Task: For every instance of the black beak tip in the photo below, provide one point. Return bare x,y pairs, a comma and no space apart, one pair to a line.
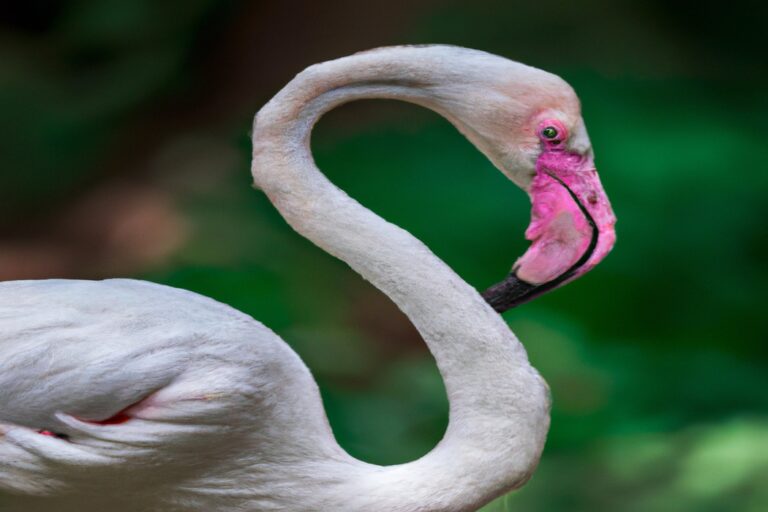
510,292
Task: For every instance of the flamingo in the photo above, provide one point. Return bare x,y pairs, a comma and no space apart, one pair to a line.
124,395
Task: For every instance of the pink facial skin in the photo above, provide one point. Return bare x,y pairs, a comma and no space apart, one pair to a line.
560,232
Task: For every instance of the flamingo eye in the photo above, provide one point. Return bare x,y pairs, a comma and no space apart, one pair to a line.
552,133
549,132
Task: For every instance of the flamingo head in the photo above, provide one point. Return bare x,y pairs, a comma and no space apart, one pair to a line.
572,223
528,122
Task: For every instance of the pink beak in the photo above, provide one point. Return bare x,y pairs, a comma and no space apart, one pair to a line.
571,229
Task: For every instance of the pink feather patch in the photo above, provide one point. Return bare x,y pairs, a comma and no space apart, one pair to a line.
122,416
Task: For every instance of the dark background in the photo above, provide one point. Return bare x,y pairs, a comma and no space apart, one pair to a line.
124,151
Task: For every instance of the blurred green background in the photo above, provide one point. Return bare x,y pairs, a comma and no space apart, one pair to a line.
124,151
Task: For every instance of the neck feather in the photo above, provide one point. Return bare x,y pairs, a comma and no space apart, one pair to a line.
499,407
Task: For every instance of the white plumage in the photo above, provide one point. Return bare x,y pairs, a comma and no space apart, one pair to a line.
224,416
80,350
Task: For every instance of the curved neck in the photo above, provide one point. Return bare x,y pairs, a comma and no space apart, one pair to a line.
498,403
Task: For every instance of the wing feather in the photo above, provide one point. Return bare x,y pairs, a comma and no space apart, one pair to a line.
73,353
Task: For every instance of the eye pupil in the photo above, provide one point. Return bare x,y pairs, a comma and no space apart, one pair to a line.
550,132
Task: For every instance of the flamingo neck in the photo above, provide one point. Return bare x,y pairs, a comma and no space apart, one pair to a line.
499,408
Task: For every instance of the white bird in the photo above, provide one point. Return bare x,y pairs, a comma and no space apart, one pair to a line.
124,395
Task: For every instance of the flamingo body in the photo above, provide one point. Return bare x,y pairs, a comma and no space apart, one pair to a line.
124,395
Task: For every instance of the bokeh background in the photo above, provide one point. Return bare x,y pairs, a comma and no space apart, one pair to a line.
124,151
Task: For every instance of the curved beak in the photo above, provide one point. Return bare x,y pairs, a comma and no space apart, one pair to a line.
571,230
